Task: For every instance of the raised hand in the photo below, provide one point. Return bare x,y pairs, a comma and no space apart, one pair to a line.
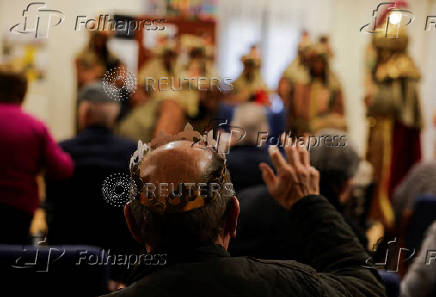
295,178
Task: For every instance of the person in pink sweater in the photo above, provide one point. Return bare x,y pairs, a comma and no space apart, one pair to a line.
26,150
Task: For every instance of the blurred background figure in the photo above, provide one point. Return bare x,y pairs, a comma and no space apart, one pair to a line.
27,149
419,181
95,59
250,86
311,91
247,153
77,212
337,163
166,112
293,81
295,76
163,64
420,278
393,111
199,80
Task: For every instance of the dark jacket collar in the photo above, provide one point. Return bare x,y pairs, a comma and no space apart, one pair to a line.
178,256
95,129
196,254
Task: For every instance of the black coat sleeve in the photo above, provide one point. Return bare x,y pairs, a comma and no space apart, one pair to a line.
326,243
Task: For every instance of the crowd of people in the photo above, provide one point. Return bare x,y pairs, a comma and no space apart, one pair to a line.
308,214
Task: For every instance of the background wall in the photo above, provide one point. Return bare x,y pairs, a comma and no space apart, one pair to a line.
274,24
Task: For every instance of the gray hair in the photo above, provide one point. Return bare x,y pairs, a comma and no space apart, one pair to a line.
336,165
98,113
342,159
96,107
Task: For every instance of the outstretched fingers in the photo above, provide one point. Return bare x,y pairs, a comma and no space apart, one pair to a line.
304,156
277,159
267,175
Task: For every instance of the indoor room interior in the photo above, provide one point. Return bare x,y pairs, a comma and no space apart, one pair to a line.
302,104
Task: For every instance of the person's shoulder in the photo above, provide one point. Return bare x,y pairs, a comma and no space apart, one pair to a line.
69,143
239,273
290,266
30,118
127,144
37,125
286,275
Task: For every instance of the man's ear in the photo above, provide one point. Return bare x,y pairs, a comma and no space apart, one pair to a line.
232,217
83,114
131,223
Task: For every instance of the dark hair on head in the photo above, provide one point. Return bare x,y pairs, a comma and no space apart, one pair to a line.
187,230
13,86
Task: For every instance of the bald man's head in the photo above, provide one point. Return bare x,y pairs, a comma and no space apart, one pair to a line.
177,161
180,162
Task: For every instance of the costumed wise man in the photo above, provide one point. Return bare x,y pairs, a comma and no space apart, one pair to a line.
393,108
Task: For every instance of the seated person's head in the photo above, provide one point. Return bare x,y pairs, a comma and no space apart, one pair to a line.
96,108
13,86
337,164
162,221
251,117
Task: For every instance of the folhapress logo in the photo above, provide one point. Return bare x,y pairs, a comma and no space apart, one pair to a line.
37,20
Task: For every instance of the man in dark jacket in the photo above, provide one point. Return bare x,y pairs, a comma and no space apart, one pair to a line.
245,156
194,230
77,212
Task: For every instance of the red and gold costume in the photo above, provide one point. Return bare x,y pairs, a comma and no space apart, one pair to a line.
393,112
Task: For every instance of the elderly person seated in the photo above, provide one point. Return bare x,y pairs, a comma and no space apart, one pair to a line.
194,226
248,152
77,212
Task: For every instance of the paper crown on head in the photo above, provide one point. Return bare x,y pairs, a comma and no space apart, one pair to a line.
186,199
